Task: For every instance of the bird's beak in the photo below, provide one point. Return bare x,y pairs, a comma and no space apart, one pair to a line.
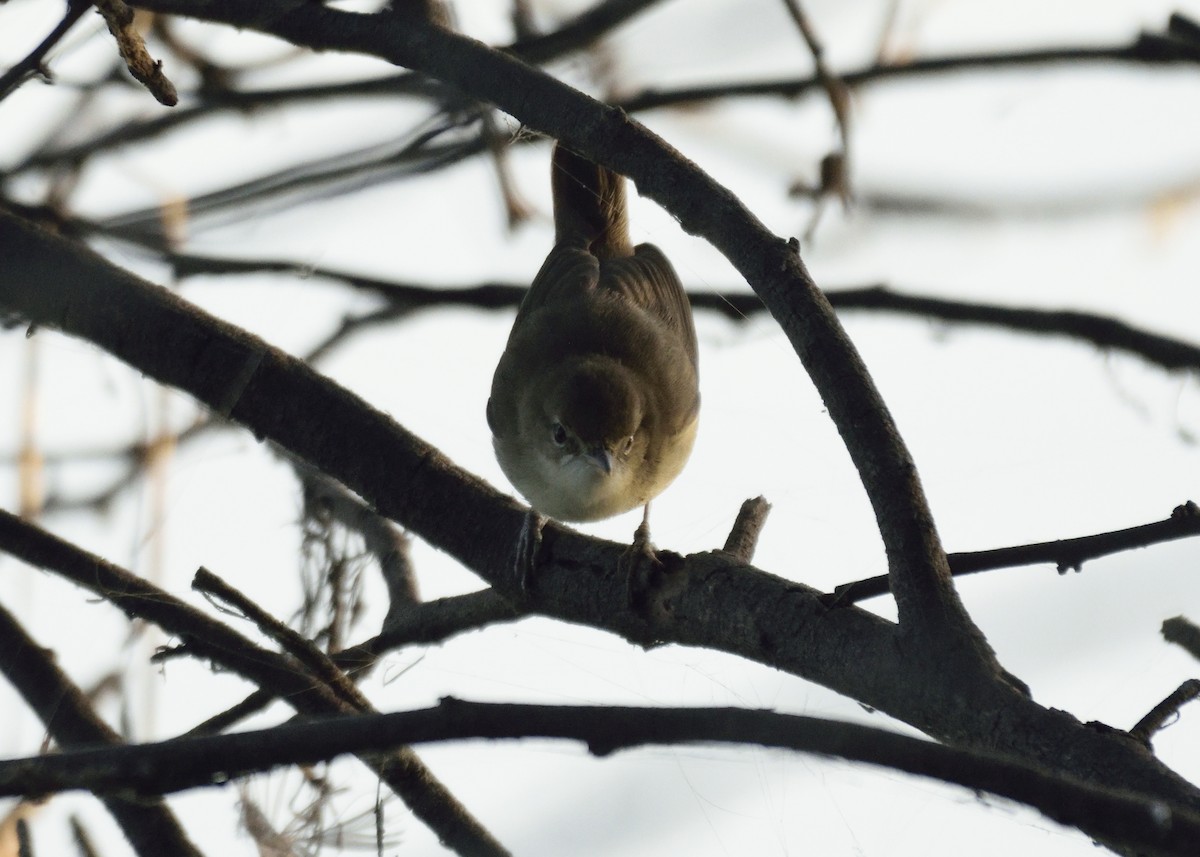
601,457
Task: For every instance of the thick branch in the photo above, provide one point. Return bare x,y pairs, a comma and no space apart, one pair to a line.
1150,827
929,608
706,599
205,637
150,826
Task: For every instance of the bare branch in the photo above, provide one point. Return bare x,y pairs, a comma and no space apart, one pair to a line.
406,297
400,769
1158,716
1065,554
142,66
150,826
743,538
430,622
1150,827
1145,49
316,661
925,597
33,63
1182,633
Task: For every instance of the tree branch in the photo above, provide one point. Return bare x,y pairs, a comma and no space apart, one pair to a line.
929,608
32,64
1184,634
404,773
704,599
1066,554
573,35
150,826
406,297
1149,827
1145,49
1158,716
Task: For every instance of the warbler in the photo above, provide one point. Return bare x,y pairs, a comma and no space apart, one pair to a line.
595,401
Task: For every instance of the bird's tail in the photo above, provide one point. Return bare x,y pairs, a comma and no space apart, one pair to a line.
589,204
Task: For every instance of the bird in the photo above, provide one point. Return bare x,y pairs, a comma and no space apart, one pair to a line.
595,401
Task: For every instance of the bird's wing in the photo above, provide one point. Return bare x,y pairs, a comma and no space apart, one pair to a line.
569,272
649,281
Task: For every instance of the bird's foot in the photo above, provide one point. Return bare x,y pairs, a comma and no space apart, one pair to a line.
529,545
637,563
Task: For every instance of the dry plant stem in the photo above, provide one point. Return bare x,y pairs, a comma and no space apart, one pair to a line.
119,18
32,64
387,543
400,769
747,526
1158,716
1065,554
316,661
1102,331
1152,828
149,825
522,19
24,840
1182,633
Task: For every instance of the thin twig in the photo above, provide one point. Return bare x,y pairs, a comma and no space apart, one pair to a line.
1184,634
302,650
835,167
1065,554
83,839
1146,48
145,69
24,840
406,297
743,537
387,542
417,624
1158,716
33,63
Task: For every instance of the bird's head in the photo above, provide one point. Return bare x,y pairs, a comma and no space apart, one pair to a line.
588,426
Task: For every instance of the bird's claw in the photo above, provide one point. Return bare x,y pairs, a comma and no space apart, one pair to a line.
638,556
529,545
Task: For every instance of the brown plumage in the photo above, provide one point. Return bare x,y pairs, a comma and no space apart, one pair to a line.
595,400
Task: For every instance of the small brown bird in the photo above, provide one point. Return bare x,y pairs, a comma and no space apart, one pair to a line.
595,400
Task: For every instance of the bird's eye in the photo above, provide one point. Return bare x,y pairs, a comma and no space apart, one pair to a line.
558,434
627,447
